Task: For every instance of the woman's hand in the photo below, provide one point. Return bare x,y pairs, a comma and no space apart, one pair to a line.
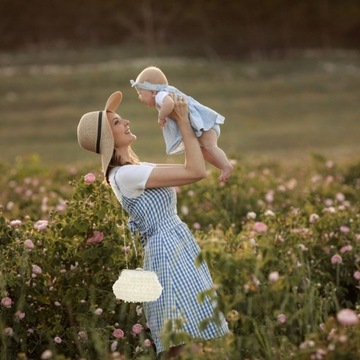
181,110
193,168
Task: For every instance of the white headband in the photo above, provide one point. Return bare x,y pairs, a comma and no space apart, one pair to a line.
147,86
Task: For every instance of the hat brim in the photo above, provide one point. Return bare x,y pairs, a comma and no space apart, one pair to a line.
107,140
113,101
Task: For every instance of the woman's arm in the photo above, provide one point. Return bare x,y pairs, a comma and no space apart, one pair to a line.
168,165
193,168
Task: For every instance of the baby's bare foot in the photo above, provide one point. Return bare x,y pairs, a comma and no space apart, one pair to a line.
225,173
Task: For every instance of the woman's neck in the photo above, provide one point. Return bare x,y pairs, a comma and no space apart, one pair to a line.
123,156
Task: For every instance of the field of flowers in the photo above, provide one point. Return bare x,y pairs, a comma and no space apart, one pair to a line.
282,244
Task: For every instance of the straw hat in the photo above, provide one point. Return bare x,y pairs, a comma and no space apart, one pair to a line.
94,132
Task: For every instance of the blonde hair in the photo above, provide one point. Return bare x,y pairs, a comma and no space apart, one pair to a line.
152,75
116,161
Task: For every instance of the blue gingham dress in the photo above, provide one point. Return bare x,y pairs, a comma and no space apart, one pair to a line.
170,251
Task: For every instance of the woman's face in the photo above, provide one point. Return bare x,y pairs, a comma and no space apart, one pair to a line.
147,97
121,130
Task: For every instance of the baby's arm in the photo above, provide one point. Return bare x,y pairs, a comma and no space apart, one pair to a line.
166,108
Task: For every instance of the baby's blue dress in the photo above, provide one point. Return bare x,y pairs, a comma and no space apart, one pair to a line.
170,250
202,118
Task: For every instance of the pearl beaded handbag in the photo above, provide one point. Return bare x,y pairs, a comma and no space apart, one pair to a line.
136,285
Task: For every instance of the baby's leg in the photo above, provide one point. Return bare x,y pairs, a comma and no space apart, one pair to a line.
214,155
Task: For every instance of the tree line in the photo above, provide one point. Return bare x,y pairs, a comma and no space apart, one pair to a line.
210,27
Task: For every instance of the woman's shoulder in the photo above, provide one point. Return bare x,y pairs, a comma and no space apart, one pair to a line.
130,179
130,170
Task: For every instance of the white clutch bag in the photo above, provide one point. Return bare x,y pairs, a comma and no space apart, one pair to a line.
137,286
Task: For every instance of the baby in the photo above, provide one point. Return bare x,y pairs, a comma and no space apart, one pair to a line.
153,90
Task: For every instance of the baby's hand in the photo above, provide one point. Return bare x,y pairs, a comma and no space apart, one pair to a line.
162,121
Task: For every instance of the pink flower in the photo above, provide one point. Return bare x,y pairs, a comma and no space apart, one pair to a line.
336,259
82,335
302,247
185,210
252,242
281,318
274,276
20,315
118,334
260,227
269,197
57,339
9,331
47,354
251,215
89,178
196,226
269,213
113,346
97,237
29,244
255,280
320,353
137,329
15,223
6,302
147,343
346,248
314,218
357,275
36,270
98,311
347,317
10,205
41,225
344,229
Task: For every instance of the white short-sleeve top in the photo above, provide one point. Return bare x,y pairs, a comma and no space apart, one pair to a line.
130,180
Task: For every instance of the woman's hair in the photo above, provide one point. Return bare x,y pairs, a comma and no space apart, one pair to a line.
116,161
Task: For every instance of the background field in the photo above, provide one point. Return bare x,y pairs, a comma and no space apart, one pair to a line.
282,241
282,109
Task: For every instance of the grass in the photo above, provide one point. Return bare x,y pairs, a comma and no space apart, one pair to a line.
280,109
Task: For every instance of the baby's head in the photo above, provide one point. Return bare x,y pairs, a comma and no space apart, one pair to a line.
152,75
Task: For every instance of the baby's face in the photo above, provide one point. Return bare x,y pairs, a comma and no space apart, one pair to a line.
147,97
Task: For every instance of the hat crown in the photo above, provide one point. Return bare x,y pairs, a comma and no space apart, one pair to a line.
94,132
87,131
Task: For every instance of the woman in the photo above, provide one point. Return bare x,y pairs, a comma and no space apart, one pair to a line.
146,192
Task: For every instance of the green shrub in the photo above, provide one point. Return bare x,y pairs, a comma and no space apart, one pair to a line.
61,285
282,246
